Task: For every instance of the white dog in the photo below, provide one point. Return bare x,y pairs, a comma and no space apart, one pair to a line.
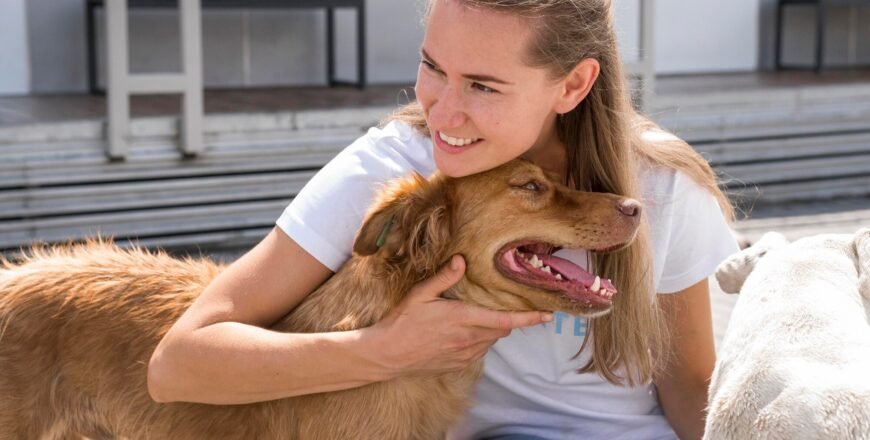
795,361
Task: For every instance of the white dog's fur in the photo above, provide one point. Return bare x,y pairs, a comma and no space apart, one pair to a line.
795,361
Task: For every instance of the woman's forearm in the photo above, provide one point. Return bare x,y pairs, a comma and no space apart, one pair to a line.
684,405
232,363
683,382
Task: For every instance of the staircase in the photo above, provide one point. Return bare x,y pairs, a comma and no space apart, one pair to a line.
773,149
779,146
57,184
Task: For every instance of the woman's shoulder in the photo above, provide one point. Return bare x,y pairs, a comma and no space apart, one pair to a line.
396,132
396,145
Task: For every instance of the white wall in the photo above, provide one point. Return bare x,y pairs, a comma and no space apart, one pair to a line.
286,47
15,74
695,36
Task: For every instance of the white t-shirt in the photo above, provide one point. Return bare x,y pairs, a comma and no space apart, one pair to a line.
530,385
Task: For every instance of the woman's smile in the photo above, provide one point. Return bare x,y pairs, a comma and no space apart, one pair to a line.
454,145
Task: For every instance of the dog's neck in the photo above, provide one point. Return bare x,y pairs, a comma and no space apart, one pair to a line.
360,294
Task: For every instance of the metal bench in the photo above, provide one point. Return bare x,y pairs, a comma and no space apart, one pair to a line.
821,7
328,5
121,84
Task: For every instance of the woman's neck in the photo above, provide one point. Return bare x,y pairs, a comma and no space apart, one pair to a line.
551,156
549,152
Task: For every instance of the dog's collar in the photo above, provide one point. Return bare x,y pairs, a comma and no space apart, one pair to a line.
383,237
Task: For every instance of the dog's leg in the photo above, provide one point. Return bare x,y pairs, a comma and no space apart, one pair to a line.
862,252
732,272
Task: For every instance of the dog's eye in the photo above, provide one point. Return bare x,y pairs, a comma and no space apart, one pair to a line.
532,186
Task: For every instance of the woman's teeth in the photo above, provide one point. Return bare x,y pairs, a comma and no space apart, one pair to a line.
456,142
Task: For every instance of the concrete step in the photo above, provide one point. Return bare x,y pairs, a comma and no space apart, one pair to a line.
31,203
796,220
215,125
155,225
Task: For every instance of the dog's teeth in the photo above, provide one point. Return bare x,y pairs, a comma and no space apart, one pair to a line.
604,293
546,269
536,262
559,276
596,285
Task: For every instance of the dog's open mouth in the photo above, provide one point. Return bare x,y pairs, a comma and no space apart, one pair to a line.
533,264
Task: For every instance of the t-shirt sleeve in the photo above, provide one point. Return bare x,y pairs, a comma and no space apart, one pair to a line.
699,237
326,215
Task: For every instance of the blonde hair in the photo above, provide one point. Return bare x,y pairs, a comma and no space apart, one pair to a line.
607,142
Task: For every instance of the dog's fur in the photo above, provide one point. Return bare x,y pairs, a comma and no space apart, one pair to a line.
80,322
795,361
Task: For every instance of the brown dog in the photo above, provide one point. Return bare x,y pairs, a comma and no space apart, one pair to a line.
79,323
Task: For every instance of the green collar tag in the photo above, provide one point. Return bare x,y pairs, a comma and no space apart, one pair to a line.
383,237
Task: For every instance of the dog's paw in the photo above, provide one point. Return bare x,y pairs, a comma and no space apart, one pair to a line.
732,272
862,252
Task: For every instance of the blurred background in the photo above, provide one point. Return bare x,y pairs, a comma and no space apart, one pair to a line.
190,125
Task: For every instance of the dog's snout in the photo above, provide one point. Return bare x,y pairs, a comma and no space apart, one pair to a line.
629,207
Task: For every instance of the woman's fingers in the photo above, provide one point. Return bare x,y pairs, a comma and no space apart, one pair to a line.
480,317
427,333
444,279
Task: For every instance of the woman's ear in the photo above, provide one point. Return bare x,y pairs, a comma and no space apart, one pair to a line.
577,84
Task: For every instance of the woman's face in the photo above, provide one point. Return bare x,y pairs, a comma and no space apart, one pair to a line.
483,104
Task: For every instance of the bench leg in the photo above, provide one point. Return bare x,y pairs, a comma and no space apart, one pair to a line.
330,46
820,36
777,48
361,45
91,36
117,84
191,138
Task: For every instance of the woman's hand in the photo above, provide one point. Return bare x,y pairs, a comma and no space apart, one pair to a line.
428,334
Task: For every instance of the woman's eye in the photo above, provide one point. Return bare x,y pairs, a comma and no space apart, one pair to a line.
478,86
484,88
429,65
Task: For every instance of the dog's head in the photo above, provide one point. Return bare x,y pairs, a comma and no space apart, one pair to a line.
506,222
806,258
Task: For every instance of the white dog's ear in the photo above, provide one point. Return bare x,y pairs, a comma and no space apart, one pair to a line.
862,250
732,272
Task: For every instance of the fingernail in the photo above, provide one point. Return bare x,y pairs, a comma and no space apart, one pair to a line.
548,317
454,262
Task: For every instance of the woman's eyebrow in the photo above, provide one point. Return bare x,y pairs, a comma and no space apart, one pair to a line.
471,76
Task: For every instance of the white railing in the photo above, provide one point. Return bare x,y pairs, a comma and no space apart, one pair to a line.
122,84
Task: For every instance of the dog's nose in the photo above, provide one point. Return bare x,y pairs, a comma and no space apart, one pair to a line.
629,207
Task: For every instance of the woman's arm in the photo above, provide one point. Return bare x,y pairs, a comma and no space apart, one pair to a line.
218,351
683,382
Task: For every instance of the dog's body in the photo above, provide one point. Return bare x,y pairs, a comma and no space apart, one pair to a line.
795,362
78,324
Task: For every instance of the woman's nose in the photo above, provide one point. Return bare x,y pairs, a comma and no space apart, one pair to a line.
447,110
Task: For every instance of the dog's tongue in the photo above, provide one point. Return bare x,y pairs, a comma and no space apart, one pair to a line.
573,272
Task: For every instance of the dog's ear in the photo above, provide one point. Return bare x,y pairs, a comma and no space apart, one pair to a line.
409,223
732,272
862,251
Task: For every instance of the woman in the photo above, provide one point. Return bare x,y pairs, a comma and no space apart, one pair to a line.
498,79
